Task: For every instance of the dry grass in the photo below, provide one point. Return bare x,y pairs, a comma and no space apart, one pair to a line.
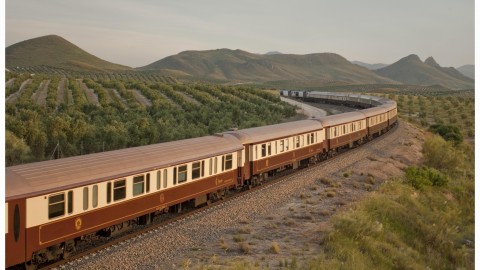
244,230
275,248
245,247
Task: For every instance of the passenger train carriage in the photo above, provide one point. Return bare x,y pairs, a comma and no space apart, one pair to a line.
51,205
276,147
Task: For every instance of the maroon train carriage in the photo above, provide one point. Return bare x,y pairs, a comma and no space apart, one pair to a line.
391,106
344,130
52,204
269,149
377,121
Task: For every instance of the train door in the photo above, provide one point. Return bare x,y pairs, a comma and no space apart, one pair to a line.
15,240
247,171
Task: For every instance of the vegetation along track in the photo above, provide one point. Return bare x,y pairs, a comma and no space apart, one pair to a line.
162,244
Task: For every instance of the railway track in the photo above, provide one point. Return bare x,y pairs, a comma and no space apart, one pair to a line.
140,233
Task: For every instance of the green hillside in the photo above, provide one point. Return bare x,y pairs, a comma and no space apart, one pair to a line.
411,70
55,51
238,65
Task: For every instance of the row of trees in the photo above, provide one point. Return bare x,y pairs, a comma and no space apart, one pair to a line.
79,127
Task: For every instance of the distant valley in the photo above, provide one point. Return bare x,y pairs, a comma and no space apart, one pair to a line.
236,66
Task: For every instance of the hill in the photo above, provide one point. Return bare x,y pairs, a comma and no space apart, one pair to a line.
468,71
411,70
238,65
369,66
55,51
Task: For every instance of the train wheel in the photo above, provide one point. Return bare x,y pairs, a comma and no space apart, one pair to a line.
68,248
30,265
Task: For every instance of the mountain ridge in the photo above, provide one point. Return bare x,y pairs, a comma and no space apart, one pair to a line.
53,50
226,64
369,66
238,66
467,70
411,70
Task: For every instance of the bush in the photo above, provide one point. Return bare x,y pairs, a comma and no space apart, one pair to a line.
448,132
425,176
441,155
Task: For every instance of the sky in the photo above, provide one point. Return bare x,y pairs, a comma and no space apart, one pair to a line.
137,33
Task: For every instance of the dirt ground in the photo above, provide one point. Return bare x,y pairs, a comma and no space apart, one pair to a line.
295,230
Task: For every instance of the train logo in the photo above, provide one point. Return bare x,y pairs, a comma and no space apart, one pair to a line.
78,223
162,198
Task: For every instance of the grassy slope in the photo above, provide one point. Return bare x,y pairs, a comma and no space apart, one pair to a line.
57,52
400,227
225,64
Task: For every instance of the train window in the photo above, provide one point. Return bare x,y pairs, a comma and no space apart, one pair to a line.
85,198
264,150
109,192
138,185
228,162
210,167
297,141
312,138
147,188
282,148
196,170
223,163
119,190
286,145
56,205
182,174
344,129
159,178
70,202
165,177
215,166
95,196
269,149
203,168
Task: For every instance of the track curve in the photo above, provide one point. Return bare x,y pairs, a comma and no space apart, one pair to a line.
160,247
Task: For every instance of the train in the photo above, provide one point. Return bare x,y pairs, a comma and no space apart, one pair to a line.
51,206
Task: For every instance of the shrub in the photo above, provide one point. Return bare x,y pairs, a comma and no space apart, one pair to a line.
331,194
238,238
448,132
244,230
245,247
275,248
325,181
441,155
425,176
